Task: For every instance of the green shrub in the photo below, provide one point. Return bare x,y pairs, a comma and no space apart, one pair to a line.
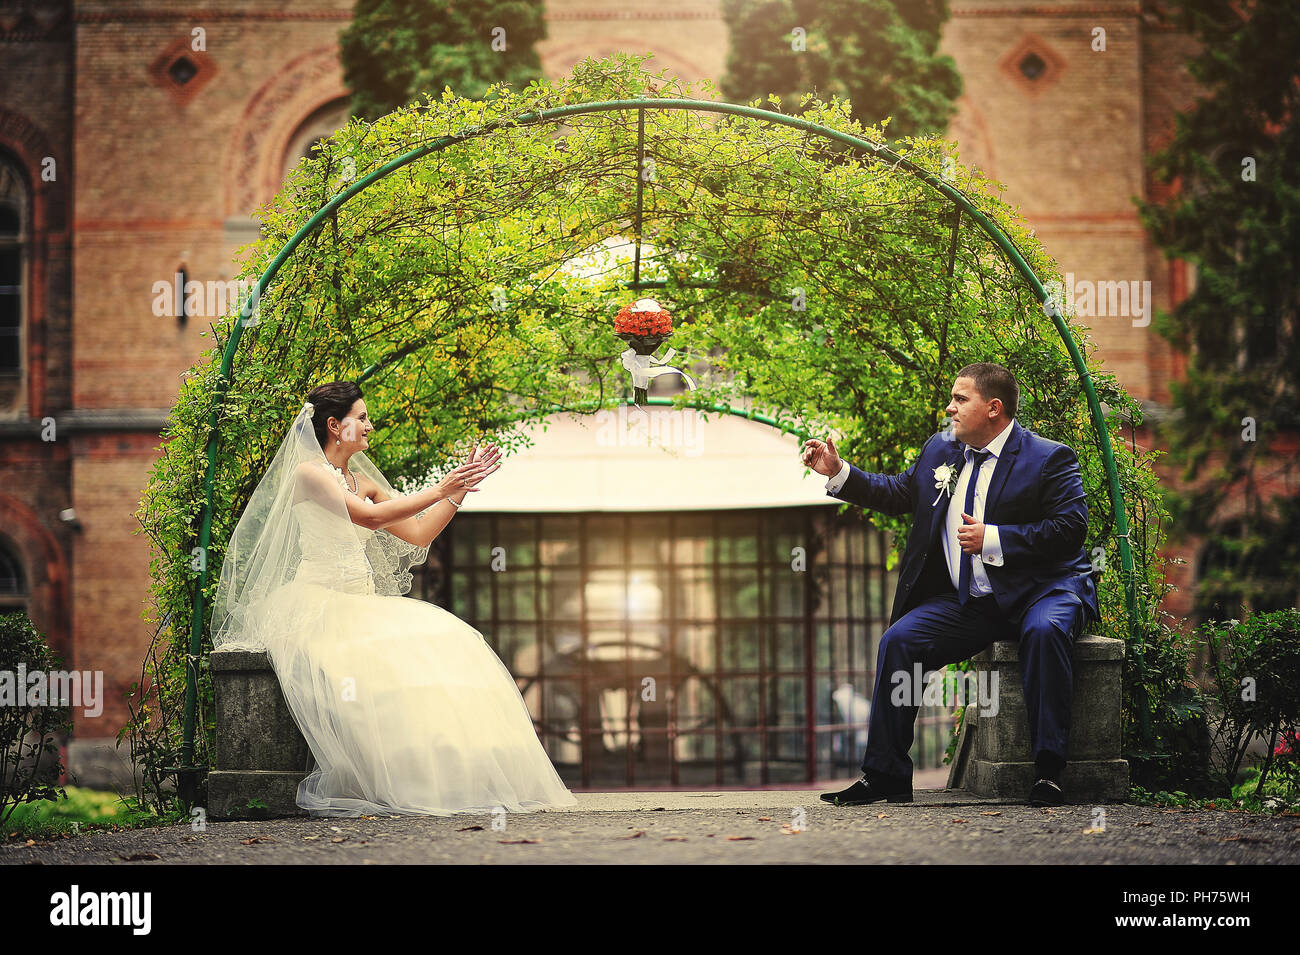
29,753
1255,665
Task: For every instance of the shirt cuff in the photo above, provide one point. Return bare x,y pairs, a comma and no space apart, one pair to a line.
833,484
992,550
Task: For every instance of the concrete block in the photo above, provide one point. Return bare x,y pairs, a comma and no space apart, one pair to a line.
260,752
993,753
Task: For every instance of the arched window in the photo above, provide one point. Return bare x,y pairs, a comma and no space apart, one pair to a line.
14,221
13,582
317,127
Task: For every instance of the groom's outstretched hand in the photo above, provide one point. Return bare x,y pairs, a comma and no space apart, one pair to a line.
822,457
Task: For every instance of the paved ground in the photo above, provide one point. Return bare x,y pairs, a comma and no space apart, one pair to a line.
754,827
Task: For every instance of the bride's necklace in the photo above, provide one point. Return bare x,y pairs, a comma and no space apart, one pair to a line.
354,486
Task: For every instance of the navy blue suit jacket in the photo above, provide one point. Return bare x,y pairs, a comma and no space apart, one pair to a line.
1035,498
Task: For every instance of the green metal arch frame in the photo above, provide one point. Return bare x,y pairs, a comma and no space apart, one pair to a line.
1050,308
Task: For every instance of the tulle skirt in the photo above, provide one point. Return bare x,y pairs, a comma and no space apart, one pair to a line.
405,707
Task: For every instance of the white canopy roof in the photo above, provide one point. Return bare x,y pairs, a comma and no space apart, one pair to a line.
657,460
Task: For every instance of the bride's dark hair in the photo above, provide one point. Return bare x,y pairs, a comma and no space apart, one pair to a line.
334,400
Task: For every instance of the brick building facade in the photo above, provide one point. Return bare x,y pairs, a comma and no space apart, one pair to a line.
127,156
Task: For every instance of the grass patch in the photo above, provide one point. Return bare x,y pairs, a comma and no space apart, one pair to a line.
84,810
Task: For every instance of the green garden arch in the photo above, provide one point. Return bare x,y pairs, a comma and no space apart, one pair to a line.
857,146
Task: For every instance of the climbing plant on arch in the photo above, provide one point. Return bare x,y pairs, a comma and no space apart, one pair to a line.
819,280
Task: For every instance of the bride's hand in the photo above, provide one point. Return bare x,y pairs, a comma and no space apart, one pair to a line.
489,457
462,478
481,463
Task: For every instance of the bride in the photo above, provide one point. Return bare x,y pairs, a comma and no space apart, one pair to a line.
405,707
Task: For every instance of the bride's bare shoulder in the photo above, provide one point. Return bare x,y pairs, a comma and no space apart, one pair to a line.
371,489
312,472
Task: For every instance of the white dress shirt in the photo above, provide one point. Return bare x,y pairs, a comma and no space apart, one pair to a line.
991,553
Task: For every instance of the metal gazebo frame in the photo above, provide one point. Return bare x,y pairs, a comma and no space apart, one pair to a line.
187,771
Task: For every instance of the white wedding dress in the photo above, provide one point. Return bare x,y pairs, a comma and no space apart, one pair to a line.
405,707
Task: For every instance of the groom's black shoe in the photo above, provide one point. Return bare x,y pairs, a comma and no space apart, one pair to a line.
1046,792
865,791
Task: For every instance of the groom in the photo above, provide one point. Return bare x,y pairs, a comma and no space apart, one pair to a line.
995,551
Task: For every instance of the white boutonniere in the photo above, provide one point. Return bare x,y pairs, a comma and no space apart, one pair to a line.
945,479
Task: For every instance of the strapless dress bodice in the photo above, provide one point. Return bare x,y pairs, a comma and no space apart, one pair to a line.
333,551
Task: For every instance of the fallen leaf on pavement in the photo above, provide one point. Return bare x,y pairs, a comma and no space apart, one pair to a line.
519,842
140,856
253,840
740,838
471,829
991,812
635,835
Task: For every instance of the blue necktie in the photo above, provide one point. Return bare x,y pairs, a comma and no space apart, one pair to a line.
964,575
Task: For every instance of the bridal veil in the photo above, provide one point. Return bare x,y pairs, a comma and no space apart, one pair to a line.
266,548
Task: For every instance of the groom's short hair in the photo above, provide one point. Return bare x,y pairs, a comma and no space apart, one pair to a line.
994,381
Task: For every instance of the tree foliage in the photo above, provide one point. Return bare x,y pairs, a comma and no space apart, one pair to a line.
881,55
807,284
395,50
1234,215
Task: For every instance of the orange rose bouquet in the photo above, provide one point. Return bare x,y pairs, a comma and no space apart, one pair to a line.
645,326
